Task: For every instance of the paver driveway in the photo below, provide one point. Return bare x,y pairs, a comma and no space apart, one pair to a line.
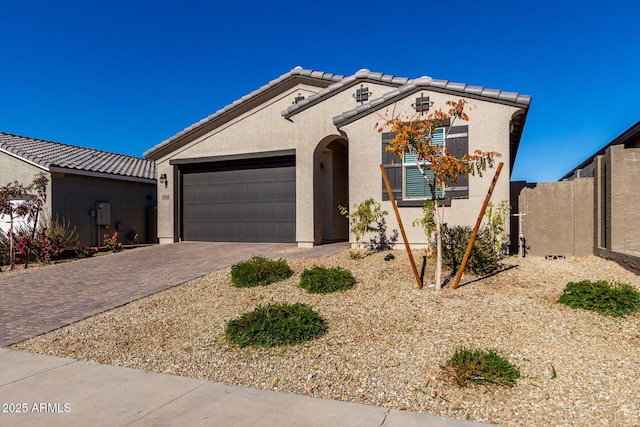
44,299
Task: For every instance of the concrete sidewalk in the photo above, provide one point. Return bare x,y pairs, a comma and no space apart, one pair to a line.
54,391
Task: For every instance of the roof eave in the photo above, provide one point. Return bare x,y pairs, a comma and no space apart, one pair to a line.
105,175
240,106
426,83
360,77
44,167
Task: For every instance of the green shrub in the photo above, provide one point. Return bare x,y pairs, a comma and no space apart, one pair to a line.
321,280
259,271
364,218
606,298
276,324
483,258
481,367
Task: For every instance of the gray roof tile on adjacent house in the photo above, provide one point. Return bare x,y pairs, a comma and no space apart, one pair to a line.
297,71
54,156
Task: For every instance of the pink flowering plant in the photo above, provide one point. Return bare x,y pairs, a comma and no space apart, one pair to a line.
111,242
43,248
85,251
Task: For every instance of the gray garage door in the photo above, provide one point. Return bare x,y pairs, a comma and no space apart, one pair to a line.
240,201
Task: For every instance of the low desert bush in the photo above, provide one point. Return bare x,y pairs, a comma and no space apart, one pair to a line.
259,271
481,367
321,280
606,298
483,258
276,324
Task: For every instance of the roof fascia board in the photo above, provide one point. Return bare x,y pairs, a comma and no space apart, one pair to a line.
230,112
44,168
514,143
231,157
57,169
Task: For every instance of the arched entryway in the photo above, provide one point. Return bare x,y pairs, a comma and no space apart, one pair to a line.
330,189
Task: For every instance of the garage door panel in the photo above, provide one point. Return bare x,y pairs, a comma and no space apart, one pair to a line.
240,212
252,202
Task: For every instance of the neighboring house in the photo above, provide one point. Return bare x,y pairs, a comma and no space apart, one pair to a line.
594,209
274,165
97,192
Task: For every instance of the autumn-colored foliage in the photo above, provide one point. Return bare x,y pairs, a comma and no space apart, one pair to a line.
415,137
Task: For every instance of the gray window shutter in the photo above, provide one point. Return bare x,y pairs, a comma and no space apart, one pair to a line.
458,146
393,169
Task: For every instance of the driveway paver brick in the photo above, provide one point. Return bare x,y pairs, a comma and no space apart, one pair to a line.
44,299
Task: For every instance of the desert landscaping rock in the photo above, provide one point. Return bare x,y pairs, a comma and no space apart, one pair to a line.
386,341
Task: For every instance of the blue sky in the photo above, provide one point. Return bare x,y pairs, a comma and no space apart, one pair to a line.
123,76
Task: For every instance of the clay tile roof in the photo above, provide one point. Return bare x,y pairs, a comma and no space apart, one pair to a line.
360,76
50,155
328,78
461,89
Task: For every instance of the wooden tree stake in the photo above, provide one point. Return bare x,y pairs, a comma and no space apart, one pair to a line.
477,227
404,236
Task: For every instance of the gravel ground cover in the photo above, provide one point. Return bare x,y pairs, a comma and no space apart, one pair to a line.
387,340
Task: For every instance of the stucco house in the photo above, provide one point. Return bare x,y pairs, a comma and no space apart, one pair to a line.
274,165
97,192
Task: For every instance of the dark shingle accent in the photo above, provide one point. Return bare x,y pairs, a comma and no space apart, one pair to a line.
49,154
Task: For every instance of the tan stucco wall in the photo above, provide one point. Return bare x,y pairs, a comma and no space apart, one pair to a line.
313,127
488,131
264,129
559,217
75,197
12,169
260,129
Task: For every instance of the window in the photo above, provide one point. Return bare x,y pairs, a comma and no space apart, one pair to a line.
414,184
408,186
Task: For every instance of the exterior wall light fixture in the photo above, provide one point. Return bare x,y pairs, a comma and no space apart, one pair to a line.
164,180
298,98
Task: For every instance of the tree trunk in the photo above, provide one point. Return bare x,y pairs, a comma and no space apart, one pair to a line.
33,236
438,248
12,249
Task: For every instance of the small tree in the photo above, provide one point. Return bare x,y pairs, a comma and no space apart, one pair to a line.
18,200
415,138
362,220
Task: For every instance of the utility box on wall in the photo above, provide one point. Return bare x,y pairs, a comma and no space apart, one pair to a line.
103,213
